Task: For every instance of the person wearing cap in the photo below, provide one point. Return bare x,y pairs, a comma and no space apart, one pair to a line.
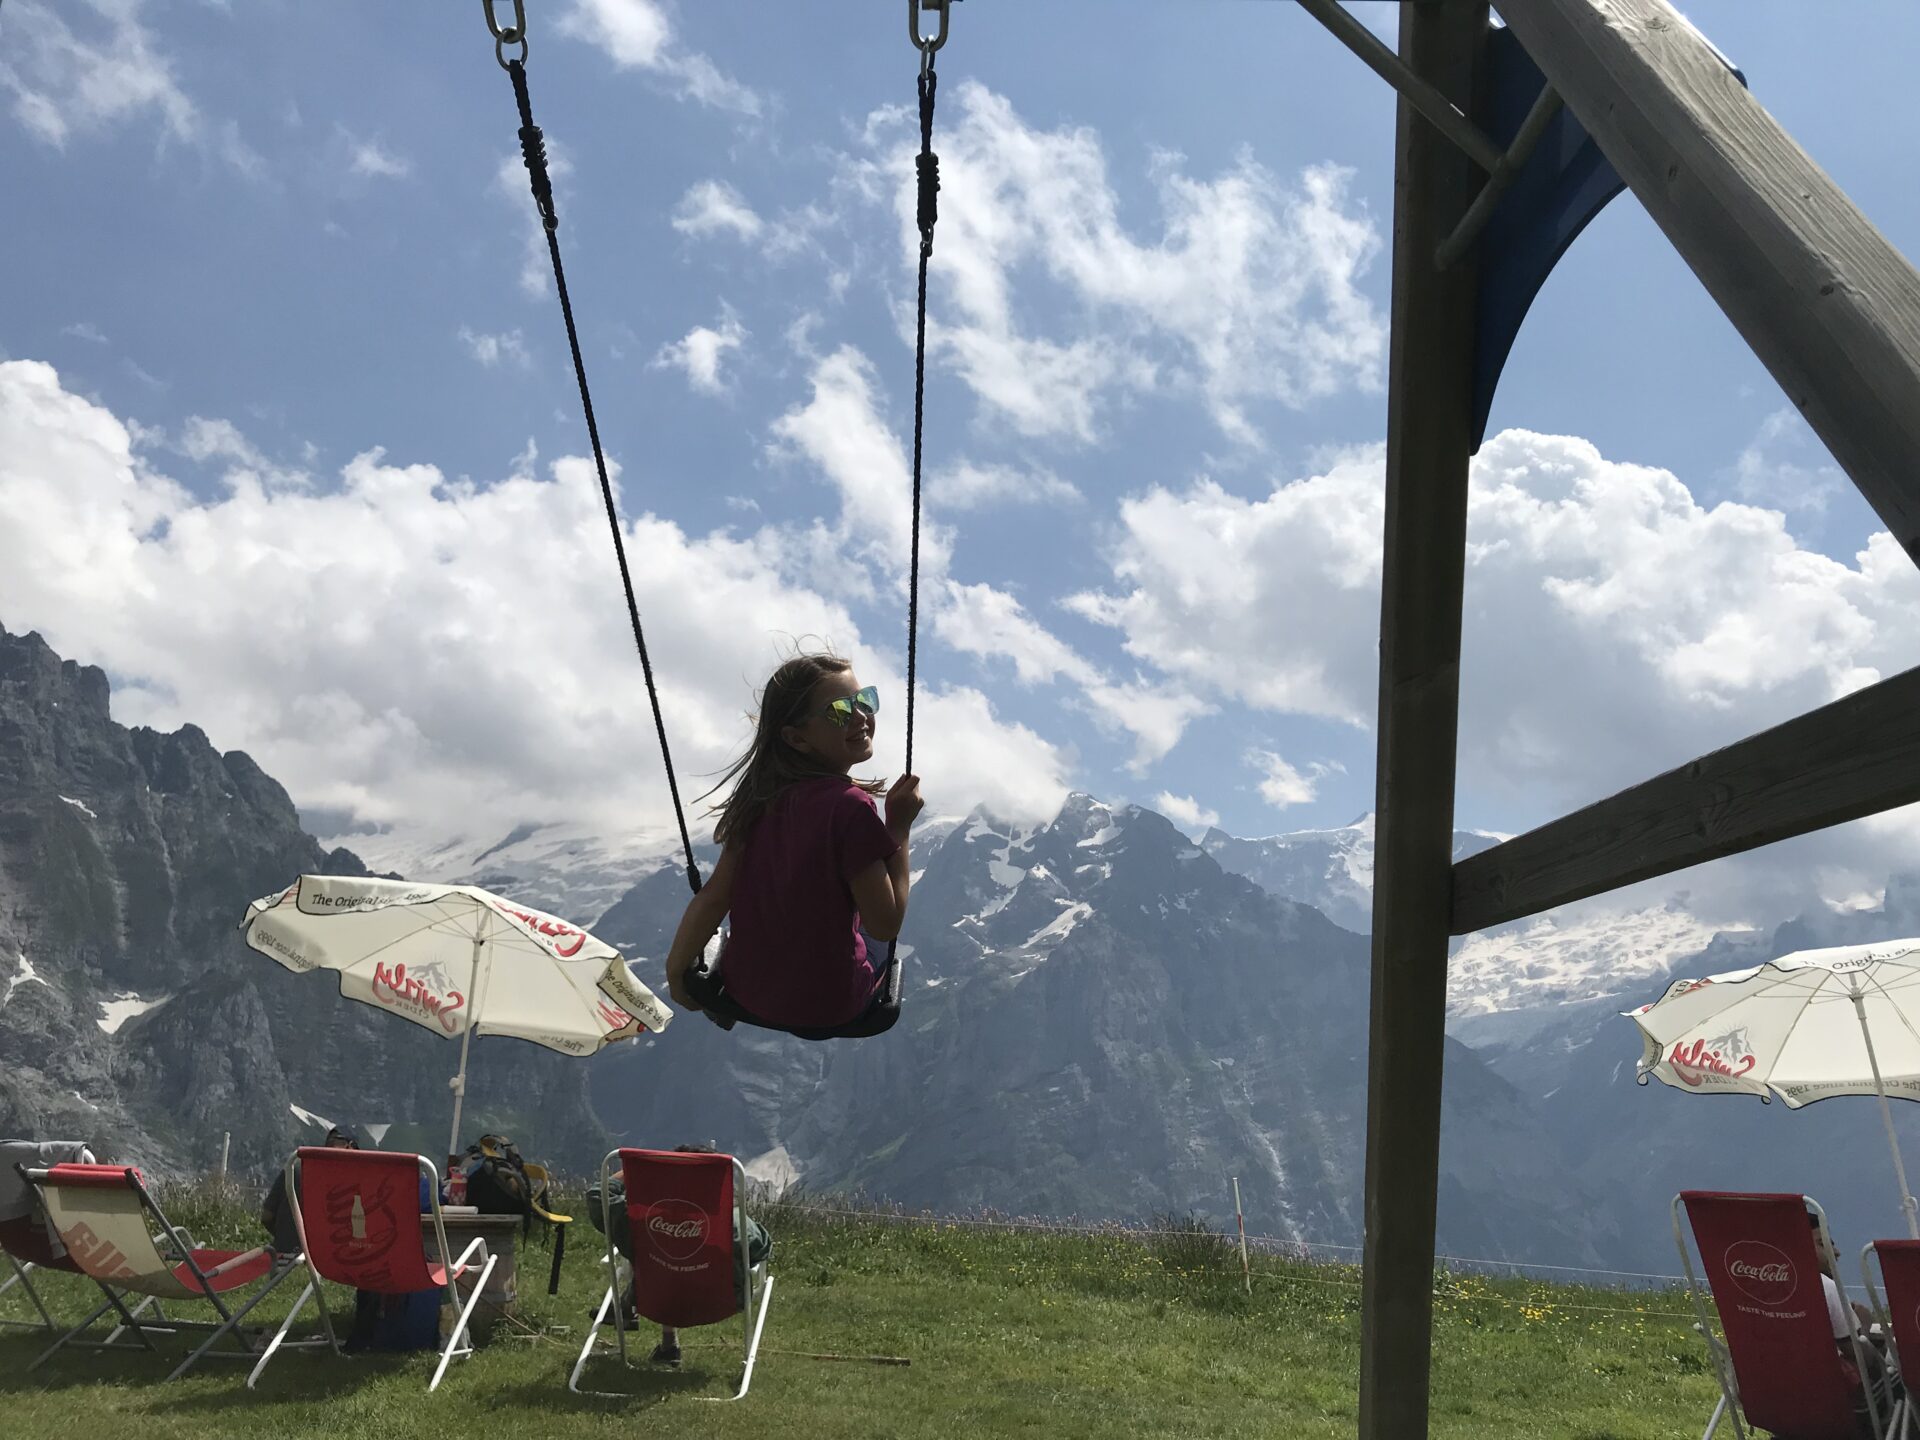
277,1216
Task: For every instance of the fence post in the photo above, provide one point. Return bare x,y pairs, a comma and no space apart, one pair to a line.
226,1148
1240,1219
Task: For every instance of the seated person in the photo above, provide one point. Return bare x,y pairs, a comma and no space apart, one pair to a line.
759,1247
1837,1306
276,1216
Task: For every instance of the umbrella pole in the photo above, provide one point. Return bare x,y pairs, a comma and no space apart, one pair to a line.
466,1038
1886,1115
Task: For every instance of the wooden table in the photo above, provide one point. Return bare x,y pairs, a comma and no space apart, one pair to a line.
502,1234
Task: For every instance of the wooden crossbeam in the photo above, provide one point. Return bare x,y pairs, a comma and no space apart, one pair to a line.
1826,303
1858,756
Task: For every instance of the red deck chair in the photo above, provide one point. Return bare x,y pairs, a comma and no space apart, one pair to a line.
107,1221
361,1225
685,1217
1900,1316
1778,1367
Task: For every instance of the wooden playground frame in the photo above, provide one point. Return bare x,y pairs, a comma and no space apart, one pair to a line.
1829,307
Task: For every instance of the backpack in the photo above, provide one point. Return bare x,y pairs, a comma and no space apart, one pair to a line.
497,1181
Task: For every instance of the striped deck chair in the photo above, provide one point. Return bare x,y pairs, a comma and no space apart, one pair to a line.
1899,1312
107,1220
686,1218
26,1239
363,1225
1778,1366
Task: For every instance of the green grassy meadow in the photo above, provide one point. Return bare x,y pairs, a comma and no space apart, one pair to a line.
1009,1332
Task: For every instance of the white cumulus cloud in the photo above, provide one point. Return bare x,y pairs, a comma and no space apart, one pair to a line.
1186,812
1615,626
713,207
413,649
699,354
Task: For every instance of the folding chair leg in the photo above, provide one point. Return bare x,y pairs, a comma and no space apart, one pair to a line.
460,1326
753,1346
129,1319
23,1277
759,1321
286,1325
586,1350
232,1326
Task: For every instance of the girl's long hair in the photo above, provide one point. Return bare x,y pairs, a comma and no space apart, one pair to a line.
771,764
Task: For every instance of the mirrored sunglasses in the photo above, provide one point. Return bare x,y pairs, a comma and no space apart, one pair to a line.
866,701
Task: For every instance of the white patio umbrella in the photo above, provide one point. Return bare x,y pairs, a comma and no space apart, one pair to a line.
1805,1027
456,960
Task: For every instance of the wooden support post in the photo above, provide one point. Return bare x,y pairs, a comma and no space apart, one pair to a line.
1429,439
1857,756
1826,303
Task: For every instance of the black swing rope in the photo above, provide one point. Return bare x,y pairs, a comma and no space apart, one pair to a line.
533,151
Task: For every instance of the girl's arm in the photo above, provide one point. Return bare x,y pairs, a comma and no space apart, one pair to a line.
880,892
704,914
881,889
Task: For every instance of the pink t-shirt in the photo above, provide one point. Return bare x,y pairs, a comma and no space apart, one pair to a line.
795,954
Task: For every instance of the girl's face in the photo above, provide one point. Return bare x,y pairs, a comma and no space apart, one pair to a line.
839,747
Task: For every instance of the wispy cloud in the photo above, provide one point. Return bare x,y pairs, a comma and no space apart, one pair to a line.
1247,293
85,330
975,487
637,35
83,71
371,158
509,348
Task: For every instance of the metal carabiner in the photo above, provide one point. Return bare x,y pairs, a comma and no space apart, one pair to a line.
513,32
925,46
503,36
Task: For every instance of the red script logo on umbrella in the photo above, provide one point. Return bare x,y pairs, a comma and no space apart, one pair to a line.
397,990
555,930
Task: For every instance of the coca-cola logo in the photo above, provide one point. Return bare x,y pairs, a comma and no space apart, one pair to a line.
677,1228
1761,1271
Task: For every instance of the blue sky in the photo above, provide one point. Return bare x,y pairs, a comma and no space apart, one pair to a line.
298,471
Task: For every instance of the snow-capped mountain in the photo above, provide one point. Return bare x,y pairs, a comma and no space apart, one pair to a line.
1331,870
562,867
1500,982
1099,1020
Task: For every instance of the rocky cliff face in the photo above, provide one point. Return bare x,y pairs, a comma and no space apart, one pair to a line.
130,1014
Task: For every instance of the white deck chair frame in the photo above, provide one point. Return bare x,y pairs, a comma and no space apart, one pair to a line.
198,1285
454,1270
753,1313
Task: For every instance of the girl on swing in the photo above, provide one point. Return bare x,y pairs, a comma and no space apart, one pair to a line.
806,862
